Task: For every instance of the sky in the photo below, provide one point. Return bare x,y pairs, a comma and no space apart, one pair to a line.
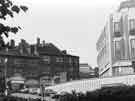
72,25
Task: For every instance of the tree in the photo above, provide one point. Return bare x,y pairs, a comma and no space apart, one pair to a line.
2,86
7,8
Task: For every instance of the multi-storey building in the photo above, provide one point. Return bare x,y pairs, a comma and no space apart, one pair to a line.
39,60
116,44
86,71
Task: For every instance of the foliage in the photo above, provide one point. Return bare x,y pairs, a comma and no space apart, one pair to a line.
7,8
119,93
2,86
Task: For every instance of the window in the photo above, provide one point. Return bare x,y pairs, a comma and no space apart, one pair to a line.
117,29
117,45
76,61
18,61
132,27
59,59
117,50
46,59
132,48
132,24
133,43
70,60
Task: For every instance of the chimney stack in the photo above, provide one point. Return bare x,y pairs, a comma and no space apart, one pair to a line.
64,51
43,43
38,41
35,50
12,43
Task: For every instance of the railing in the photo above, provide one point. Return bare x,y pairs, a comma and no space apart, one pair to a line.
93,84
81,86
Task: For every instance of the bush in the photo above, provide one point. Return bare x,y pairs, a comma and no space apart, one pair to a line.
118,93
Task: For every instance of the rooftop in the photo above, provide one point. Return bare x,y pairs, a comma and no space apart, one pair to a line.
127,4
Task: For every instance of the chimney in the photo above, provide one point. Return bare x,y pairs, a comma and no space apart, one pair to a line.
43,43
35,50
21,49
64,51
12,43
38,41
23,41
29,50
21,46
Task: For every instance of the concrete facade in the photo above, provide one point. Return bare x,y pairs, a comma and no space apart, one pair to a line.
116,44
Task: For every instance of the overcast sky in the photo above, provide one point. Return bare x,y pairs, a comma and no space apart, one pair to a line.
73,25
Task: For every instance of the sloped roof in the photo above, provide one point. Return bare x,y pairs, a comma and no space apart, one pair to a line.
49,49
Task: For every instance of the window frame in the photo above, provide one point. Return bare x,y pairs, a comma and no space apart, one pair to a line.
46,59
117,33
59,59
132,26
132,41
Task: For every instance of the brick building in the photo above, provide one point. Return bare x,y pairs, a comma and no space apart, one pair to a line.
86,71
38,60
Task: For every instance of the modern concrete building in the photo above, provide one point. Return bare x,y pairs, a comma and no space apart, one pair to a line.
116,44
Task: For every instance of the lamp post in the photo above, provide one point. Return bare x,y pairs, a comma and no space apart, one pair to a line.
133,65
5,73
42,88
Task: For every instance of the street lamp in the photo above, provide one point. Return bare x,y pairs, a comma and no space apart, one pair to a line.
42,90
5,73
133,65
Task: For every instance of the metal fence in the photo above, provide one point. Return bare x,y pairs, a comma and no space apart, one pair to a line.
93,84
